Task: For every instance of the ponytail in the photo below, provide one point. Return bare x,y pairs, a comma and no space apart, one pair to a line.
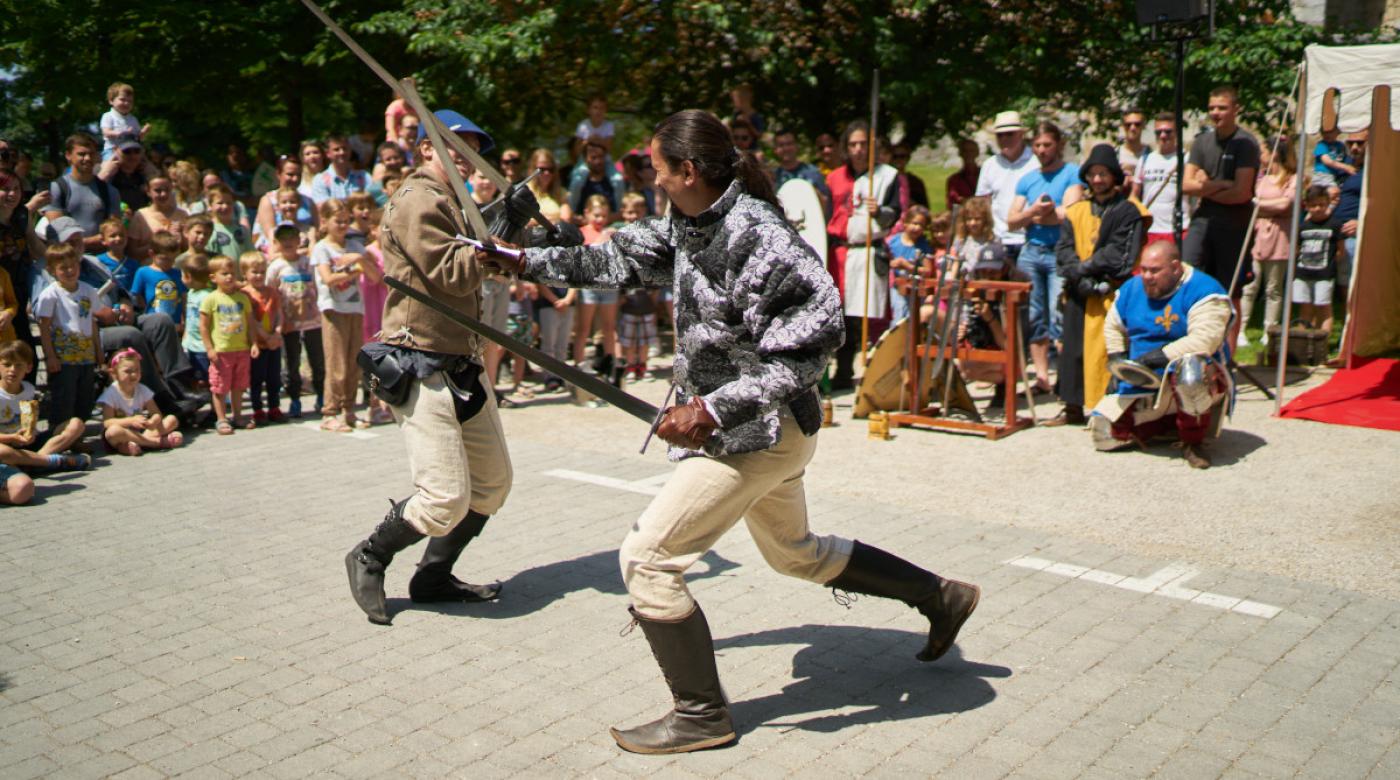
699,136
755,179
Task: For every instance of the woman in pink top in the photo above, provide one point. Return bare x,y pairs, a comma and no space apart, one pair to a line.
1274,193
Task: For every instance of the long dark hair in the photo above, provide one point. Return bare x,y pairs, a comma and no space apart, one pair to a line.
699,136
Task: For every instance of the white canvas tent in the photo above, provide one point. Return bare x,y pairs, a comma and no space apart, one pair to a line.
1351,88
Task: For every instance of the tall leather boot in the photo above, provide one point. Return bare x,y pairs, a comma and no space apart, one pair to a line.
946,603
433,582
366,561
686,654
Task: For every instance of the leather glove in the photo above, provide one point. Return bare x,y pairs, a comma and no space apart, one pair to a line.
1156,360
565,234
516,212
499,262
688,426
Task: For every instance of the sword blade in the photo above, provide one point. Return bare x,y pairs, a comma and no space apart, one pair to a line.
627,402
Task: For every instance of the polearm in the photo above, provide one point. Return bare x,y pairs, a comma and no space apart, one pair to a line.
431,123
869,218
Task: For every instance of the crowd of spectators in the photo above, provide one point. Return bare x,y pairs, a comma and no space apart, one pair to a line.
147,286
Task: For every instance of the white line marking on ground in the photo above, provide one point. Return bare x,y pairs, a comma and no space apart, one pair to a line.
1169,581
646,487
315,425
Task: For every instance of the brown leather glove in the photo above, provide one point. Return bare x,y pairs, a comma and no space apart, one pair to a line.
688,426
500,262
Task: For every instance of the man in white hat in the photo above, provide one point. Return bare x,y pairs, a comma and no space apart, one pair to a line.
1000,174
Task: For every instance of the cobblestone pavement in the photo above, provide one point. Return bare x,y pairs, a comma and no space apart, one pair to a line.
186,613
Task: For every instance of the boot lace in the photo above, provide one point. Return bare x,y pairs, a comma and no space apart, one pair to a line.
844,597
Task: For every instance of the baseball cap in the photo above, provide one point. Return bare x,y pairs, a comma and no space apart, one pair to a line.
458,124
1007,121
992,257
62,229
128,145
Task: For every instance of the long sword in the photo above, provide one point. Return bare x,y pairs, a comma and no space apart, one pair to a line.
625,401
462,147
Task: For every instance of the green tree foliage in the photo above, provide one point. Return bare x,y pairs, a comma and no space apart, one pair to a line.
267,73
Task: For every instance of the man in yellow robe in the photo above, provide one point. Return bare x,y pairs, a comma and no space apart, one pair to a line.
1099,243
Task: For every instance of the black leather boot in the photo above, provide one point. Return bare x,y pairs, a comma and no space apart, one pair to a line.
946,603
366,561
686,654
434,582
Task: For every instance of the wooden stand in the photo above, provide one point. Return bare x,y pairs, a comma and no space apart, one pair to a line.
1012,294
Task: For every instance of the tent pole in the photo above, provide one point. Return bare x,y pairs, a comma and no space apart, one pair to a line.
1292,243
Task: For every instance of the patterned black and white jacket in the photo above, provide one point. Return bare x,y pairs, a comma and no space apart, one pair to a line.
756,311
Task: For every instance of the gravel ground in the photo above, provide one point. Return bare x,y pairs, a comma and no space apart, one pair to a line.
1291,498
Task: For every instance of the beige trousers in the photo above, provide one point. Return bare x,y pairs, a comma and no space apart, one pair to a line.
704,498
456,466
341,338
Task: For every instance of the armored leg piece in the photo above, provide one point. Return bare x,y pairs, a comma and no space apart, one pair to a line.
946,603
686,654
366,561
434,582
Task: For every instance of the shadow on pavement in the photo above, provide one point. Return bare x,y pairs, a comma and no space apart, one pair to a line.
1230,448
832,676
535,588
44,492
4,681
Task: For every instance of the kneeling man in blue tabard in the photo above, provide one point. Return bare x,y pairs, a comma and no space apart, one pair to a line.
1165,339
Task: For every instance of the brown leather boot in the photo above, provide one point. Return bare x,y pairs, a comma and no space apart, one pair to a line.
946,603
686,654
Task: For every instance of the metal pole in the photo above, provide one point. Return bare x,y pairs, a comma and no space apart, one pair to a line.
1292,246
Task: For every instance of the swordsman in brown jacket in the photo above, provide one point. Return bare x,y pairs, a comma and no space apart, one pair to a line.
456,448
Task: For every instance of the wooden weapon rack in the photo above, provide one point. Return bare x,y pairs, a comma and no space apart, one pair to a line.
1012,295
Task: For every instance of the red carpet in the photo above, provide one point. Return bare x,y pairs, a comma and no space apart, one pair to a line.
1367,396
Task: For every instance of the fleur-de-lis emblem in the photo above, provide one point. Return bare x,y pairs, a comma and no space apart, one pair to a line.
1167,319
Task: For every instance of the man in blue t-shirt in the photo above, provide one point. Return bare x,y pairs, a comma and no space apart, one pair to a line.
1039,206
1347,215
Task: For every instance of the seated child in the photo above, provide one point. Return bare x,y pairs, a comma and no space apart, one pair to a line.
910,253
19,423
67,311
115,259
131,421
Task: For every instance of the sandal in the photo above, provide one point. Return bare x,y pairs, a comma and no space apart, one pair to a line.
246,423
356,422
381,416
335,425
224,427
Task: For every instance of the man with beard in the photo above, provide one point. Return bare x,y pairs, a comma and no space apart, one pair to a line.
1170,318
1099,241
596,178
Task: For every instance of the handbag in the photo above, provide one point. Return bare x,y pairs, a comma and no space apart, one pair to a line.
385,376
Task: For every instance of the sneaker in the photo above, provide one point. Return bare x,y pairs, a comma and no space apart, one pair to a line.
294,409
1243,340
275,416
259,416
75,461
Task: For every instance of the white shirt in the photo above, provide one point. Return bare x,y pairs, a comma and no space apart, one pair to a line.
1158,178
72,320
586,129
345,300
998,180
126,407
11,407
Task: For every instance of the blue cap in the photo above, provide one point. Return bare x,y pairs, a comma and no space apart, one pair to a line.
459,124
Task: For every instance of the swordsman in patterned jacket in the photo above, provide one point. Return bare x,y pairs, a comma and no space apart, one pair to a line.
758,318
